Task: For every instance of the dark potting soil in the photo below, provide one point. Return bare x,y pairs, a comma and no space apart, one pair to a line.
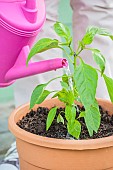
35,122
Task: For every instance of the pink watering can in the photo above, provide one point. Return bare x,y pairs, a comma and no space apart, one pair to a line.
20,22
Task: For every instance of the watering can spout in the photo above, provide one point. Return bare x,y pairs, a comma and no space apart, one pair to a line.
20,70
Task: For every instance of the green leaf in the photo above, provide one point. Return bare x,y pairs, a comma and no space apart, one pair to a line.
95,104
81,45
111,37
89,36
70,113
74,129
42,45
60,119
92,31
62,30
94,50
105,32
92,119
75,93
62,95
68,80
70,97
50,118
86,78
65,78
68,109
43,96
109,84
64,85
100,60
82,114
37,94
65,96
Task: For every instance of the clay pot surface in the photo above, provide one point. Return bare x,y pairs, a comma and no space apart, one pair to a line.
43,153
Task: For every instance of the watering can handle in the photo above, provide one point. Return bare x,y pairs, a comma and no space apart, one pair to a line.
31,4
30,10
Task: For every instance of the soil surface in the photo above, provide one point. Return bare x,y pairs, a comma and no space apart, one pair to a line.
35,122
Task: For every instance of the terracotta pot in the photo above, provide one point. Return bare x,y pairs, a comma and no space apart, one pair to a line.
42,153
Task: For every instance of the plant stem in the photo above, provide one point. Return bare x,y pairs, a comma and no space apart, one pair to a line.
56,78
79,52
71,50
68,56
75,57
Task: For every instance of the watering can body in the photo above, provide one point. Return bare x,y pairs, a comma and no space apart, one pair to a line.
20,23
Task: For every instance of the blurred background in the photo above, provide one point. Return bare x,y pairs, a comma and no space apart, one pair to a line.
6,94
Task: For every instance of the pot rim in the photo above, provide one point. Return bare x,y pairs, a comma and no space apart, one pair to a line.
53,142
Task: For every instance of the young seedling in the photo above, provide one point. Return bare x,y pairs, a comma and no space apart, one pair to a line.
84,80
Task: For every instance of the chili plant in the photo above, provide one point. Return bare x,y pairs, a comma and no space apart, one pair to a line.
84,80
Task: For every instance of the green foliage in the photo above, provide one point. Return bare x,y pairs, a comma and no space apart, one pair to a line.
62,30
65,78
99,59
70,113
42,97
74,129
105,32
84,80
38,95
82,114
73,125
92,119
65,96
89,36
41,46
92,31
109,84
60,119
64,85
50,118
